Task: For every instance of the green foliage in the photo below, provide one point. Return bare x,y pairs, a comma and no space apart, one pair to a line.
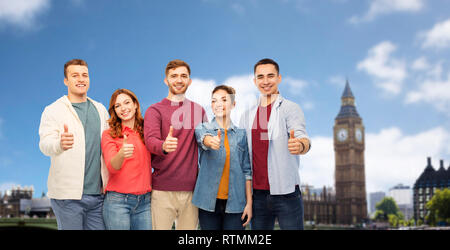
393,220
439,207
385,208
419,222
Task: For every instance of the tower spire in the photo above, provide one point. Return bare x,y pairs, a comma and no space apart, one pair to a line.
348,108
347,91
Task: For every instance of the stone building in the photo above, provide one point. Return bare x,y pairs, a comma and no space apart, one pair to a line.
19,202
347,203
350,180
319,207
426,185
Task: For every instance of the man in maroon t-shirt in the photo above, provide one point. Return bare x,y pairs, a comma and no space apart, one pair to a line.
169,127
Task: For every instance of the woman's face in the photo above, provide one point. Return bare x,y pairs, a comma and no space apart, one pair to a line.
125,107
221,104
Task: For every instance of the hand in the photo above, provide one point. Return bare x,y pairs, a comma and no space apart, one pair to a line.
294,145
127,149
171,143
213,142
66,139
247,213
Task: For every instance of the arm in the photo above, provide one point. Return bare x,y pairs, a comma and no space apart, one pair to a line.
126,151
246,168
152,131
117,160
248,207
113,157
106,117
299,142
49,135
200,134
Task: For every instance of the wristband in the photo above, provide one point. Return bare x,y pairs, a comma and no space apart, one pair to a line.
304,148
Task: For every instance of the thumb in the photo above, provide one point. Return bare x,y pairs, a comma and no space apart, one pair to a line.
170,132
219,135
66,128
125,139
292,134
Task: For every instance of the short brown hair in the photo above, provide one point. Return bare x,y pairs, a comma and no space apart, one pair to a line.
228,89
73,62
177,63
267,61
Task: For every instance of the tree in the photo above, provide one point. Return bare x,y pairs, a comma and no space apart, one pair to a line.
439,207
393,220
386,207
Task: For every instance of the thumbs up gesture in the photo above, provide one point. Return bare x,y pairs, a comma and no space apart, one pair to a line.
213,142
66,141
127,149
294,145
171,143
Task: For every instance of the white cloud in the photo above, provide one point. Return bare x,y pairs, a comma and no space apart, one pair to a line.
438,37
382,7
200,92
420,63
246,93
6,186
431,87
22,13
308,105
296,86
423,69
317,167
391,157
389,72
337,80
433,91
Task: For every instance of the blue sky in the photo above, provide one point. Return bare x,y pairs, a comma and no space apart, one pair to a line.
394,54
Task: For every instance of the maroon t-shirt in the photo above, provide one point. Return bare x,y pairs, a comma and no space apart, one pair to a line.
260,148
175,171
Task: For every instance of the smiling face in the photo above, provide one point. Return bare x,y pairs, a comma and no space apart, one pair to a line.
222,104
267,79
77,82
178,80
125,108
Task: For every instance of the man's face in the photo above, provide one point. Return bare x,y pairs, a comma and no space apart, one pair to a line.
77,80
178,80
267,79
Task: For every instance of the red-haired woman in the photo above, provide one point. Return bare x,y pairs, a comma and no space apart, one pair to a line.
127,202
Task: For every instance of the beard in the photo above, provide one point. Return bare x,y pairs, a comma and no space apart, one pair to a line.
174,91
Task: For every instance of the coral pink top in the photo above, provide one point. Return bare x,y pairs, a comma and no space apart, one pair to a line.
135,175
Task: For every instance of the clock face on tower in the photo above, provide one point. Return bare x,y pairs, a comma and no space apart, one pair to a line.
342,134
358,135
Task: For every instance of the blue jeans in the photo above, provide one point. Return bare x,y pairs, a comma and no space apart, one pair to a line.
288,209
219,220
84,214
127,211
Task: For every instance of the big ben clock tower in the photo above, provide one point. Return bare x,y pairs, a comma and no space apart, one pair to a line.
350,179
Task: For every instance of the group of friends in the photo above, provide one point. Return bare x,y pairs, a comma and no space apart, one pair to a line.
116,169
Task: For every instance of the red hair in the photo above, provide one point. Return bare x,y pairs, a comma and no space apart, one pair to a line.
115,123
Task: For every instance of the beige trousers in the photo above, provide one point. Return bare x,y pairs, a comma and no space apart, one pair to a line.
173,206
